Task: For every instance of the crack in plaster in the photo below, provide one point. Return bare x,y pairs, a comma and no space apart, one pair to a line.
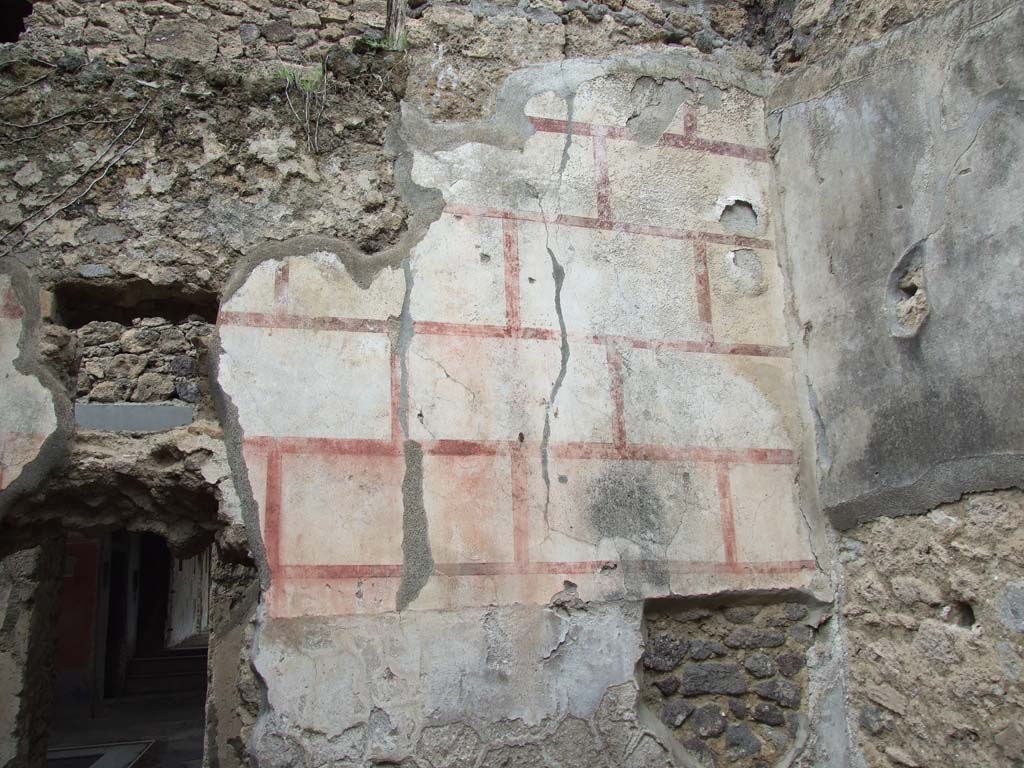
558,274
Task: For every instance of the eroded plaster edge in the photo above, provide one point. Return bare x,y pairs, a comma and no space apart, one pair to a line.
57,445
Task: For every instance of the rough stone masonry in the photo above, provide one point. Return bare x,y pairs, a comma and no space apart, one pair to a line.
560,384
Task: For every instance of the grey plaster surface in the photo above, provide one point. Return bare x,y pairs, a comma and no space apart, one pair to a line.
908,155
132,417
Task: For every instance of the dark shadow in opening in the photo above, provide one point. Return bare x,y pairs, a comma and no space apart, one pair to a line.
12,19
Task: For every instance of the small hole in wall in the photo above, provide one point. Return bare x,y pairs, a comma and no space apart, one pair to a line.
960,614
739,216
485,258
12,19
908,290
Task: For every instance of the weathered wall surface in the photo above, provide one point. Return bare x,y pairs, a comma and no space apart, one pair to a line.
898,166
575,388
29,581
33,407
934,608
550,306
900,172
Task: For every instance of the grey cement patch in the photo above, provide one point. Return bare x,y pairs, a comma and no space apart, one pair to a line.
132,417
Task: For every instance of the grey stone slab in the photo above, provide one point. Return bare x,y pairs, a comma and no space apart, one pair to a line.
132,417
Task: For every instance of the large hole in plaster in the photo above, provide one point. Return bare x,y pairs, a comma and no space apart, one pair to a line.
81,302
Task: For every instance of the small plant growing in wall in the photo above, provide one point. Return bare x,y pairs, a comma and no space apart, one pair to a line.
306,93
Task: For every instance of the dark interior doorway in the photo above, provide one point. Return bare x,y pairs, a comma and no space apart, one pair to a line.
131,650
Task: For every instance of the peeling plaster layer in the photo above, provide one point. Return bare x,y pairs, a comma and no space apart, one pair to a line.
35,416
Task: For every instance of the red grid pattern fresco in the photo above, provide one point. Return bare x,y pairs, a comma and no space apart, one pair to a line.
272,449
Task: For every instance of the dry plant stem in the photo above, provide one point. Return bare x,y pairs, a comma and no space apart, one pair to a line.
67,188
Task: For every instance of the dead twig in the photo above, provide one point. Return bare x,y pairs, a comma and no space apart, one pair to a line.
74,183
23,86
114,161
62,127
58,116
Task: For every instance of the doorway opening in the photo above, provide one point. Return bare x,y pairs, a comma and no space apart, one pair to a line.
131,653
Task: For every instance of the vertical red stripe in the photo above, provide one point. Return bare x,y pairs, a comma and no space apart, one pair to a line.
281,288
510,243
618,398
700,268
728,519
11,309
272,511
604,205
520,508
396,398
690,123
272,528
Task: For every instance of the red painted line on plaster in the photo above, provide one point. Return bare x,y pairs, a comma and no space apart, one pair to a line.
281,288
686,140
11,309
302,322
618,397
604,205
728,517
587,222
510,245
272,510
432,328
725,148
465,447
700,454
325,446
495,213
700,266
394,570
358,571
396,398
520,507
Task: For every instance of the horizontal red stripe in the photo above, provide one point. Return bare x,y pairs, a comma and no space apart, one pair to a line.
610,451
430,328
587,222
324,446
676,140
605,451
302,322
393,570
